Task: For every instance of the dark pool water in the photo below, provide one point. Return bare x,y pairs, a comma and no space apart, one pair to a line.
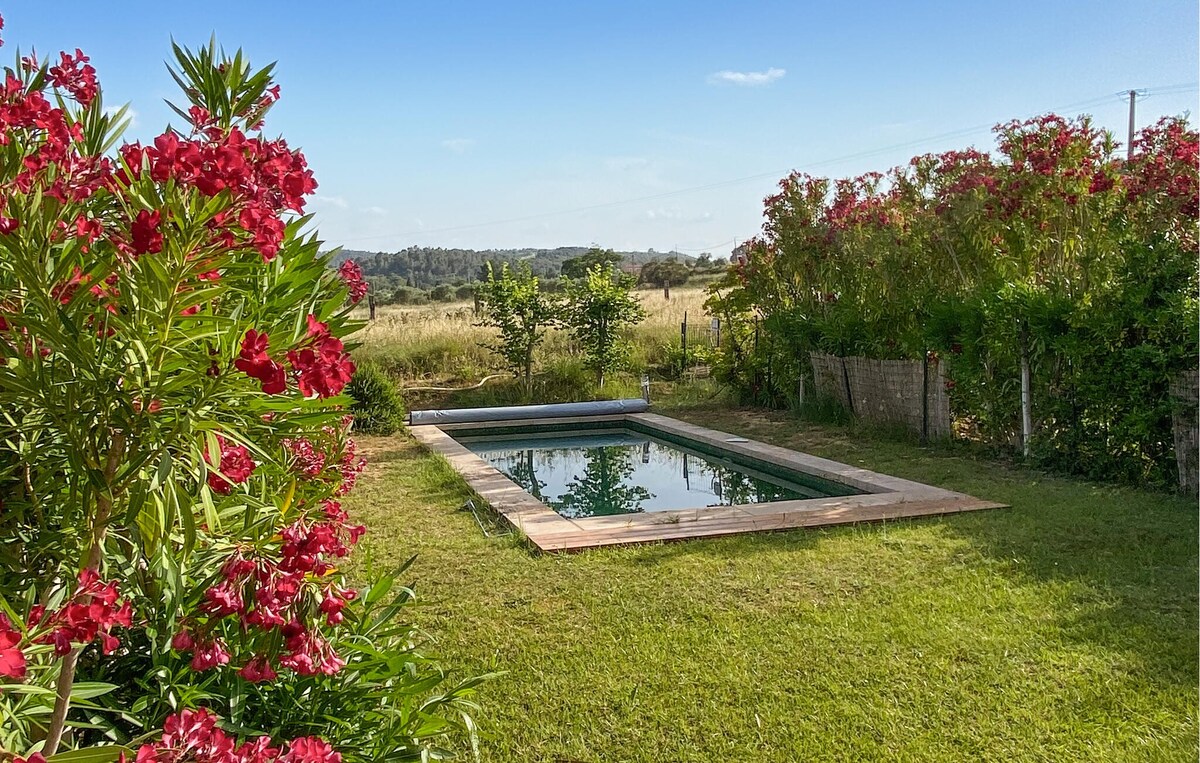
621,471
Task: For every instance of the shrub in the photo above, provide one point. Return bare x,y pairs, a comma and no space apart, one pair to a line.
378,407
519,311
174,442
1054,250
598,312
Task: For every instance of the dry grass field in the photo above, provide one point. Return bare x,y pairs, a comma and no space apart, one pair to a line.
444,342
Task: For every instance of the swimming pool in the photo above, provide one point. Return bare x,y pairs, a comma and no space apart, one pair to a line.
620,470
572,483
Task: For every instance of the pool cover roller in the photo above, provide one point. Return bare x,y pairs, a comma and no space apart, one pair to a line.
524,412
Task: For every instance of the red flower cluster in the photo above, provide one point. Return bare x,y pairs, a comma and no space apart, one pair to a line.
206,654
1164,167
192,736
256,363
93,611
351,275
34,122
269,596
12,659
306,460
235,468
1064,159
144,234
350,468
311,461
857,201
75,75
323,366
264,176
87,230
953,173
105,292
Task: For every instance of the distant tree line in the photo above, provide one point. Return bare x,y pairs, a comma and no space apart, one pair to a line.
419,275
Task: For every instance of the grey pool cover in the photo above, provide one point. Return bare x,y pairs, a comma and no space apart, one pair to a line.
520,412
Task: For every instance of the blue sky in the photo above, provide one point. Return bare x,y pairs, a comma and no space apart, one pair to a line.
626,124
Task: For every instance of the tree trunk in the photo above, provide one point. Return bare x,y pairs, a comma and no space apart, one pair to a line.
603,345
99,527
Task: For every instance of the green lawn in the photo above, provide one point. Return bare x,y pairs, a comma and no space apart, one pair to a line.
1064,628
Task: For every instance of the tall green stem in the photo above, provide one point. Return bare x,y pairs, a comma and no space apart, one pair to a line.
95,552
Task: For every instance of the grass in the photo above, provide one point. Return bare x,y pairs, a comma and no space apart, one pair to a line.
1064,628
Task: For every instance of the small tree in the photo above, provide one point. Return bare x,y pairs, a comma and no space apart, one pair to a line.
664,274
599,308
578,267
514,305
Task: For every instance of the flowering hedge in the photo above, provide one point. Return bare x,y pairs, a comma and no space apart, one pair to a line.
173,444
1054,248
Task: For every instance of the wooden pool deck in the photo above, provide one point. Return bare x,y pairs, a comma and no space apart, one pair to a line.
884,497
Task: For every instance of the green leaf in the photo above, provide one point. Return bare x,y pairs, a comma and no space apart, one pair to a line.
89,689
91,755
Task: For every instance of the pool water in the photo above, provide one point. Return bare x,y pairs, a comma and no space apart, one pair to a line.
622,471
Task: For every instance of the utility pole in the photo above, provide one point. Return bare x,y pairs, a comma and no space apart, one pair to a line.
1132,105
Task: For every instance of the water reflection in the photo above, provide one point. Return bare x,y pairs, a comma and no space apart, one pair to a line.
523,472
604,487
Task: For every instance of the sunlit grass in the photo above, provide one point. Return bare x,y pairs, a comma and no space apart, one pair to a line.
1063,628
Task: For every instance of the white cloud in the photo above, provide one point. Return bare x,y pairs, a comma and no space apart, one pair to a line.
130,114
459,145
746,79
333,201
375,211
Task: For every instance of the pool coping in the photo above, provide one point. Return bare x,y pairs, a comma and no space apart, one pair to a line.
884,497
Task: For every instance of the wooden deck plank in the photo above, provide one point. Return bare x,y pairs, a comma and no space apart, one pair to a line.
766,523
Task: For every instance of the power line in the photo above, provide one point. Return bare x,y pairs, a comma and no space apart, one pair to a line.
962,132
1182,87
683,250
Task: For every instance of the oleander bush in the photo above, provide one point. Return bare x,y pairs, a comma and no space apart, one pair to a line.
1055,249
174,445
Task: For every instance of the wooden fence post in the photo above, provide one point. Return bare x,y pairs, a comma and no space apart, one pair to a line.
846,381
1026,403
683,341
925,397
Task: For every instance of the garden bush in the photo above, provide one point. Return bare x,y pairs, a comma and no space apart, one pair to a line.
378,407
1055,249
174,446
